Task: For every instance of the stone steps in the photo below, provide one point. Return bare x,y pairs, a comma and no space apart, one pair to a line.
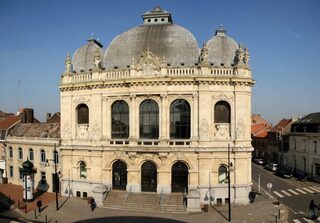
145,201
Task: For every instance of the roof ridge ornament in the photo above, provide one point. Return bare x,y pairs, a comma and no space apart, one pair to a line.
157,16
148,62
242,56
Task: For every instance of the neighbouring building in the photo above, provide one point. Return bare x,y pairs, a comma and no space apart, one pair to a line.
6,126
36,142
304,150
259,132
153,112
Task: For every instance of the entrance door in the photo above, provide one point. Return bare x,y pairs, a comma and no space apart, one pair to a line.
149,177
179,177
119,175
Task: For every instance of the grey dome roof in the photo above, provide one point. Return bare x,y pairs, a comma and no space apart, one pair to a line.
164,39
83,57
221,49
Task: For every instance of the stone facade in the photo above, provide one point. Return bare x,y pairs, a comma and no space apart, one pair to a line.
89,151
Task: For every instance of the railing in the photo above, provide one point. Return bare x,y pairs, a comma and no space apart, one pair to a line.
160,199
170,72
127,198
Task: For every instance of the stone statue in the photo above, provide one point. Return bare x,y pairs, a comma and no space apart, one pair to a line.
246,56
97,59
204,55
239,55
68,64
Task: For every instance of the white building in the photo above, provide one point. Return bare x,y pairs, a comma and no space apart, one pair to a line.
304,150
153,112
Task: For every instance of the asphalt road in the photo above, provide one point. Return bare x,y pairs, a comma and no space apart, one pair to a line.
294,194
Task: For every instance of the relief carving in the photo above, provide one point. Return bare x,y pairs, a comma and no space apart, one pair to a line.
222,131
83,131
241,127
204,129
221,96
148,63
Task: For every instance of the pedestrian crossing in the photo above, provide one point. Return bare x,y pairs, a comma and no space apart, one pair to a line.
295,191
304,220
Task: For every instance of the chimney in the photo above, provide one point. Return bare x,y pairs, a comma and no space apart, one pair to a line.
48,116
26,115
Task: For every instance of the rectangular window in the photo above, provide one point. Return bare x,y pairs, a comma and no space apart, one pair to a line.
20,175
10,152
317,168
11,171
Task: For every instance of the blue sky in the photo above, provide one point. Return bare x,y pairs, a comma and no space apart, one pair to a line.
282,36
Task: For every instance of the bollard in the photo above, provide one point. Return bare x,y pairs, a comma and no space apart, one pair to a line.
279,214
25,208
46,219
35,214
9,199
19,204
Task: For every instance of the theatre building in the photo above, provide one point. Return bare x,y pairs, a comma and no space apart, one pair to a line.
153,112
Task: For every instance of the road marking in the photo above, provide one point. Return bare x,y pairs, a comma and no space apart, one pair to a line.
315,189
296,221
292,191
307,220
308,190
278,194
286,193
301,191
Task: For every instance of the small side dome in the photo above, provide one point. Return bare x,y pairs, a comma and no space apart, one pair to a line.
221,49
83,57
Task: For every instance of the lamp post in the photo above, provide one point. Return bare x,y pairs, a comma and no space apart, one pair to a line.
56,178
229,200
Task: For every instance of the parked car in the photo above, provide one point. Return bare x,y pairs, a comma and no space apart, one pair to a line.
272,166
259,161
284,172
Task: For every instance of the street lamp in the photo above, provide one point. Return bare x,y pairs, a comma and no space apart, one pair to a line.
229,196
56,178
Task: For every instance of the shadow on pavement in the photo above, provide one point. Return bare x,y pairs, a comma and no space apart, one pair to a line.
130,219
219,212
60,206
5,203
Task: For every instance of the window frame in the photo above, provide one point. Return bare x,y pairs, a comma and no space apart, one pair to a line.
146,116
83,114
182,130
31,154
120,113
43,156
220,110
20,152
83,169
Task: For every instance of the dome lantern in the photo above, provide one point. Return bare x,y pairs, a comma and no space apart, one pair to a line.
157,17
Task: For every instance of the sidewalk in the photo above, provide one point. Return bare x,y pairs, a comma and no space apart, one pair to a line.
77,210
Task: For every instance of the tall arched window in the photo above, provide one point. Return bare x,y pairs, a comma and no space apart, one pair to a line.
120,120
42,156
20,154
83,170
223,175
10,152
180,119
31,157
222,112
83,114
149,119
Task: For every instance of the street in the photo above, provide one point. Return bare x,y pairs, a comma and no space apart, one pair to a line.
296,195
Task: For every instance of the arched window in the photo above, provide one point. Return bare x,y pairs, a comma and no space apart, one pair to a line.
223,175
222,112
31,157
83,114
120,120
42,156
180,119
20,154
149,119
83,170
10,152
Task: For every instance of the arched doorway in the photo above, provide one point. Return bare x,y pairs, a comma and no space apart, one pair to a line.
179,177
149,177
119,175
